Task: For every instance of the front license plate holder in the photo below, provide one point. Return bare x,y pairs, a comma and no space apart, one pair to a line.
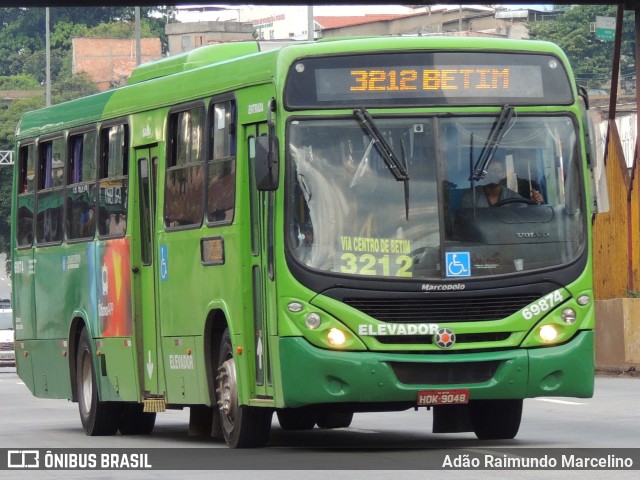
428,398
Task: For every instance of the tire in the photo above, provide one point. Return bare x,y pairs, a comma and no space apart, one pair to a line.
495,419
242,426
296,419
98,418
334,419
135,421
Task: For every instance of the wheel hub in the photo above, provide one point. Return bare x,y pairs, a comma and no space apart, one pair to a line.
227,389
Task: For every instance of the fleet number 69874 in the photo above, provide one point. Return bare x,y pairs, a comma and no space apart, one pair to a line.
543,305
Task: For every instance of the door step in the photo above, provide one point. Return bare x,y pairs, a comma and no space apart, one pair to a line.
154,405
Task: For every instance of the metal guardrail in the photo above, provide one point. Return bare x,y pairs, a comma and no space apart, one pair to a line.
6,157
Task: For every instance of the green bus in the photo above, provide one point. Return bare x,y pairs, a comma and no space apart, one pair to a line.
302,230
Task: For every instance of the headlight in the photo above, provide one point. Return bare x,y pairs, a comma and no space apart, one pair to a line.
569,316
313,320
548,333
336,337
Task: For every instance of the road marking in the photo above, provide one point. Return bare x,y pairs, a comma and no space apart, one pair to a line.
563,402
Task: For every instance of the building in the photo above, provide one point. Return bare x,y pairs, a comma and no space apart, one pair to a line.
467,20
110,61
184,37
273,22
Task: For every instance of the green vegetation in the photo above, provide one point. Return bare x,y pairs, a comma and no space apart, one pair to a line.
591,59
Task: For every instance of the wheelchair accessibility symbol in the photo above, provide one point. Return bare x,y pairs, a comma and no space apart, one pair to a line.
164,263
458,264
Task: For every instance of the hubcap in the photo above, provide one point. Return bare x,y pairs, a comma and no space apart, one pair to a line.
227,389
87,383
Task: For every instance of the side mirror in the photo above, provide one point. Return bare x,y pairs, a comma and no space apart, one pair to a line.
266,163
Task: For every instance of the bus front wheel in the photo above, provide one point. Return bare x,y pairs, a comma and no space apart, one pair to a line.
98,418
296,419
242,426
495,419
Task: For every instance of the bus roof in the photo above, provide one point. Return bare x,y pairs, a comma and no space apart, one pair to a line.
185,77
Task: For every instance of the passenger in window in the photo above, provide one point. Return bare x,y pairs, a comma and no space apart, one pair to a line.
86,224
117,224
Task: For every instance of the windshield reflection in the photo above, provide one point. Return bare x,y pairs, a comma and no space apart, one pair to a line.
346,211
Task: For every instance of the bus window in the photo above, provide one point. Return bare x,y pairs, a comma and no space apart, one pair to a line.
81,177
183,199
114,169
221,184
26,197
50,191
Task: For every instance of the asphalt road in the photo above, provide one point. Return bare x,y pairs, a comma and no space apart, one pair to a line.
377,445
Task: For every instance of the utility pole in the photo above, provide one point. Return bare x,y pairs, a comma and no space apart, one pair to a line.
138,46
47,95
310,24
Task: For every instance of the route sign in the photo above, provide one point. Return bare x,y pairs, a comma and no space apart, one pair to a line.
605,28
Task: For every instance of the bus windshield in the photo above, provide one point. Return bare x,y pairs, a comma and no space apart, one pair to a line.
462,212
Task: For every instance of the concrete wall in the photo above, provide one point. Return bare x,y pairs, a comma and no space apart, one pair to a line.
618,334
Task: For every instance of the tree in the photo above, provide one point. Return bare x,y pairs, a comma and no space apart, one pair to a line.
590,58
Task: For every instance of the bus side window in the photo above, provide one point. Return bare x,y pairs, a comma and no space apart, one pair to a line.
221,171
113,177
184,189
26,195
81,177
50,193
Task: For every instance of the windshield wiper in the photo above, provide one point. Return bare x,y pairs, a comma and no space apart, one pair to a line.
398,169
493,140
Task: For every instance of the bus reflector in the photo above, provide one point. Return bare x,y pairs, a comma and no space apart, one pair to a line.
212,251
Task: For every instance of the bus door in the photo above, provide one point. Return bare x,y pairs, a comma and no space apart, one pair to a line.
262,273
146,271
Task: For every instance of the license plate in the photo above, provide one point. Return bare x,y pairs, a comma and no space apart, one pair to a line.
443,397
7,356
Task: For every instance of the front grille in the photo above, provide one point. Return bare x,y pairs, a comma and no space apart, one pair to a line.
6,347
454,309
444,373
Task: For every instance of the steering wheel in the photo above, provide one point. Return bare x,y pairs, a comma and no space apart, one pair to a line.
508,201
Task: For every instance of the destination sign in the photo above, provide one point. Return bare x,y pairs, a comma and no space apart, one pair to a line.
412,81
427,78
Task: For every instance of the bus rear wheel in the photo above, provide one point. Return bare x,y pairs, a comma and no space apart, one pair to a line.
242,426
98,418
495,419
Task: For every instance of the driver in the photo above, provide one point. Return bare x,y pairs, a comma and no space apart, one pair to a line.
494,190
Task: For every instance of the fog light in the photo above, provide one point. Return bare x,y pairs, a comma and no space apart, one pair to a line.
548,333
336,337
569,315
313,320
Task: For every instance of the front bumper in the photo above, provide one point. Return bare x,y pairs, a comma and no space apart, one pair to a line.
311,375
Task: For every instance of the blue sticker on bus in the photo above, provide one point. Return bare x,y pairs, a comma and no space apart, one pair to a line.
458,264
164,263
